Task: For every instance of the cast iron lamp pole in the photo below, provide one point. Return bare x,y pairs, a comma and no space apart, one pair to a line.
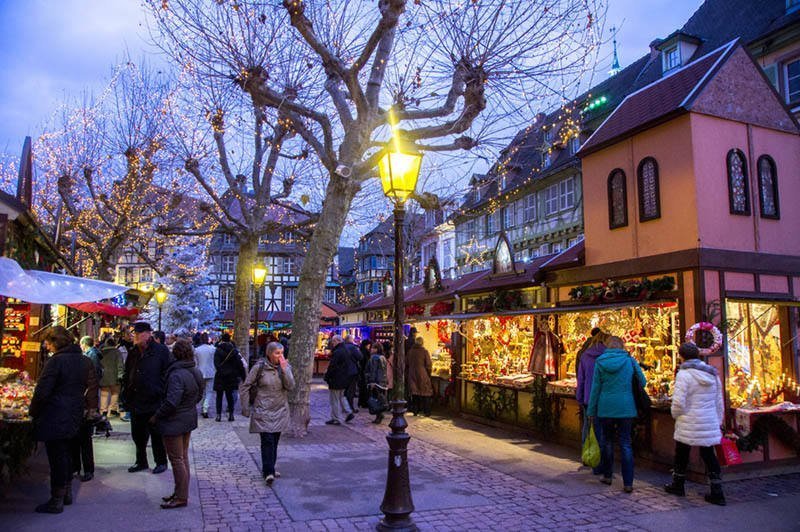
399,170
161,297
259,274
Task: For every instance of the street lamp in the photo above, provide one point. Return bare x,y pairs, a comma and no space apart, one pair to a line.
161,296
259,275
399,170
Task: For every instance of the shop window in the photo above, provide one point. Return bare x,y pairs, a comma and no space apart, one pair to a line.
756,366
649,200
792,81
617,200
738,191
768,188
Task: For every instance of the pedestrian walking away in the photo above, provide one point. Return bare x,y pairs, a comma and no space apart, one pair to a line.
353,370
204,358
229,374
591,351
697,406
611,402
66,387
113,372
338,377
377,382
176,417
145,369
81,446
268,384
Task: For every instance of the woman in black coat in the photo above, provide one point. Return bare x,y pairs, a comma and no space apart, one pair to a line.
67,386
176,418
230,372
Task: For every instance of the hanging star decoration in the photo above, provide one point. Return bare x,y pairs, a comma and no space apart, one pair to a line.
474,253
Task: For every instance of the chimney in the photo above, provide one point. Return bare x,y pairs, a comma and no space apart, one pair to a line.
654,51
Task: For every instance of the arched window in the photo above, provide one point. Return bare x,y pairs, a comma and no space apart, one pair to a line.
617,199
768,188
738,191
649,194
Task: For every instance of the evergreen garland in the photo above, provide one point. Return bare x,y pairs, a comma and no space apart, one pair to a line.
762,428
16,445
492,405
542,412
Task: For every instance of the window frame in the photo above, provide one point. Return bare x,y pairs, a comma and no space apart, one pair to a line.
574,144
228,259
775,195
643,217
609,191
668,65
746,179
530,208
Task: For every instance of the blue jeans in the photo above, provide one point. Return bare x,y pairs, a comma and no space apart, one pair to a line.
622,427
269,452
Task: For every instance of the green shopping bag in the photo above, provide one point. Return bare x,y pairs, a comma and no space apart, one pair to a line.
591,450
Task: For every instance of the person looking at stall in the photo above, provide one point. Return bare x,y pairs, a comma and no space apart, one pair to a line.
67,386
269,412
592,349
355,360
229,373
113,371
144,373
204,356
376,378
176,417
698,408
363,392
419,378
611,403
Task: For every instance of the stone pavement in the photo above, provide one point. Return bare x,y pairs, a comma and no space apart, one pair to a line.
465,476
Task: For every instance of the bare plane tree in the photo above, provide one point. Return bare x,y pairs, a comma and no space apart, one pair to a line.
449,70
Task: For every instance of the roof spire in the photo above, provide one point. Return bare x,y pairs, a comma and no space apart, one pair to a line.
615,68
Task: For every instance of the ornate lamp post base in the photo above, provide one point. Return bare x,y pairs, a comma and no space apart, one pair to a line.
397,504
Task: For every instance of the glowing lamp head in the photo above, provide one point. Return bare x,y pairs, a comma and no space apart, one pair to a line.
161,295
399,170
259,274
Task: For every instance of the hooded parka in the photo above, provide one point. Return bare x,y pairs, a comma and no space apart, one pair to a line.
697,404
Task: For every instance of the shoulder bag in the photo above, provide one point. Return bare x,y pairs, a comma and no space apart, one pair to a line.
640,397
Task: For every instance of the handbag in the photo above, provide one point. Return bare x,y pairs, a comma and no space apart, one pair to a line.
377,403
728,452
254,387
640,397
590,455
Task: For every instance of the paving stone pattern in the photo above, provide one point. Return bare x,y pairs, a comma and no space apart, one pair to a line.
524,489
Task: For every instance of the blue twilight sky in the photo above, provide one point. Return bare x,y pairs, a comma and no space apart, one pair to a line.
52,49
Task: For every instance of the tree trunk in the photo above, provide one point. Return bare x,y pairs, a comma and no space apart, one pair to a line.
248,250
305,325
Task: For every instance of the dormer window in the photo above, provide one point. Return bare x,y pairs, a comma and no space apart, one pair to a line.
547,159
477,193
575,143
672,58
549,135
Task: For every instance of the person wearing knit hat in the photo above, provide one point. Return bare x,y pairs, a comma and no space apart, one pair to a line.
697,407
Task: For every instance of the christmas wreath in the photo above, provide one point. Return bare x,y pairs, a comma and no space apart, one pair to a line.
709,336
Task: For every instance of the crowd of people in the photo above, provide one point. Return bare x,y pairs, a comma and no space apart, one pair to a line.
155,382
607,379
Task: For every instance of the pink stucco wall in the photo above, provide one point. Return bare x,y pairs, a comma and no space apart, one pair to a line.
713,138
671,145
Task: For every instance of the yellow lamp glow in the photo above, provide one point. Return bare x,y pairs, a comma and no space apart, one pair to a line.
259,274
161,295
399,170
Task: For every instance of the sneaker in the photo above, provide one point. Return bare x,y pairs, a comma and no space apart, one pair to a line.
126,418
269,479
349,417
160,468
137,467
332,422
277,474
628,489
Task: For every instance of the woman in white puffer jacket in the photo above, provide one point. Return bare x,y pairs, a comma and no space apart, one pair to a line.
698,409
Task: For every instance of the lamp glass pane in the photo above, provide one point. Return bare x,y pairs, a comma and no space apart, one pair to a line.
399,172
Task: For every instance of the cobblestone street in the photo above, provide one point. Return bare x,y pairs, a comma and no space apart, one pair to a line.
464,476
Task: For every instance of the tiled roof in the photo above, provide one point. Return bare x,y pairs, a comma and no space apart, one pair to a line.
654,103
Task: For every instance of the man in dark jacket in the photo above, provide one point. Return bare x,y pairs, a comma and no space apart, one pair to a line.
338,377
145,369
230,372
354,364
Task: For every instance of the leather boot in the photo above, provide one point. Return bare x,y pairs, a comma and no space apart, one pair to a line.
68,493
230,416
218,418
677,485
55,505
715,496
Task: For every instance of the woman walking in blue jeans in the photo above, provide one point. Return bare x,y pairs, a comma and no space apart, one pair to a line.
611,401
